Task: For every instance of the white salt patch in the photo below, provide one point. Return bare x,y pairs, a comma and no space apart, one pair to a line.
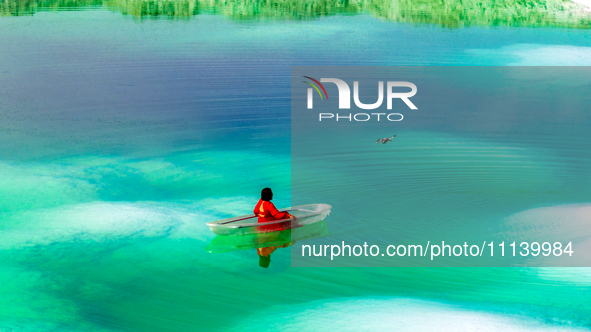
586,3
396,314
569,223
103,221
537,55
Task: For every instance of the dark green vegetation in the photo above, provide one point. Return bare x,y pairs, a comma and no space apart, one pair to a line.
447,13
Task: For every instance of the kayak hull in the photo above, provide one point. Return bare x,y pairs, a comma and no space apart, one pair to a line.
303,215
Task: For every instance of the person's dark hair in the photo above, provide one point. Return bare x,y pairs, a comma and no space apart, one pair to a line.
264,261
266,194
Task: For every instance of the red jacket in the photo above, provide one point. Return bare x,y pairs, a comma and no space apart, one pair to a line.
266,211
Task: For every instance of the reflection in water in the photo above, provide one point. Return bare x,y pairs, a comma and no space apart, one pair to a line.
267,243
447,13
265,254
146,9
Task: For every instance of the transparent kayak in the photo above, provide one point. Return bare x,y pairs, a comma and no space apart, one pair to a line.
221,244
248,224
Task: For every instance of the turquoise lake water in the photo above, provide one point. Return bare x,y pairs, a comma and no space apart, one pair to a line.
120,138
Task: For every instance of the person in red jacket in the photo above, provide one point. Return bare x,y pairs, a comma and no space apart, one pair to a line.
266,211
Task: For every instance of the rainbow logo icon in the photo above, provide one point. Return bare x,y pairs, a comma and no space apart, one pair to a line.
315,87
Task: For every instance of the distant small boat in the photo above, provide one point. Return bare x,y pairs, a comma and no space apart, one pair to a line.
303,215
